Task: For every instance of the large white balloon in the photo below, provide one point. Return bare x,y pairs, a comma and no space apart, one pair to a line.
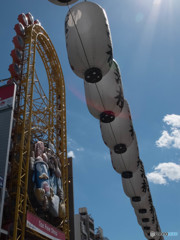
105,96
63,2
118,134
88,41
128,161
135,184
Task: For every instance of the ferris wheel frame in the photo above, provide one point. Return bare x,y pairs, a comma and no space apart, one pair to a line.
27,117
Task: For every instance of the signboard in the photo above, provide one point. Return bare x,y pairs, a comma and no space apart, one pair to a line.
7,100
37,224
6,96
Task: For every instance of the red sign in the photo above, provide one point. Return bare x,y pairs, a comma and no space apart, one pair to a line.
7,95
37,224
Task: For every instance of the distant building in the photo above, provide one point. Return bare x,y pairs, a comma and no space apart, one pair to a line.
99,234
71,198
84,227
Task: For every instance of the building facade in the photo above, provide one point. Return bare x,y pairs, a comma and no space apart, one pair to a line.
71,198
84,227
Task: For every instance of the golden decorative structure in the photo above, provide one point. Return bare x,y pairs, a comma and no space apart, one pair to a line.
37,117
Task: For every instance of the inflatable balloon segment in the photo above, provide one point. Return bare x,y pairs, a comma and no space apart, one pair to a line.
90,54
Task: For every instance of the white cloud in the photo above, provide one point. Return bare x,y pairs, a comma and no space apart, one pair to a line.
172,120
81,149
170,170
172,138
164,172
165,140
156,178
71,154
72,144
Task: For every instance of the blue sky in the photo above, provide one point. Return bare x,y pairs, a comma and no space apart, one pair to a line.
146,37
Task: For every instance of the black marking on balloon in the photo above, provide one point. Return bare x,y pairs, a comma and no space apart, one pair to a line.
119,97
131,131
157,227
142,172
107,116
151,209
127,174
153,219
150,199
144,185
110,55
120,148
136,199
108,33
138,162
118,76
93,75
146,228
122,103
145,220
148,187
